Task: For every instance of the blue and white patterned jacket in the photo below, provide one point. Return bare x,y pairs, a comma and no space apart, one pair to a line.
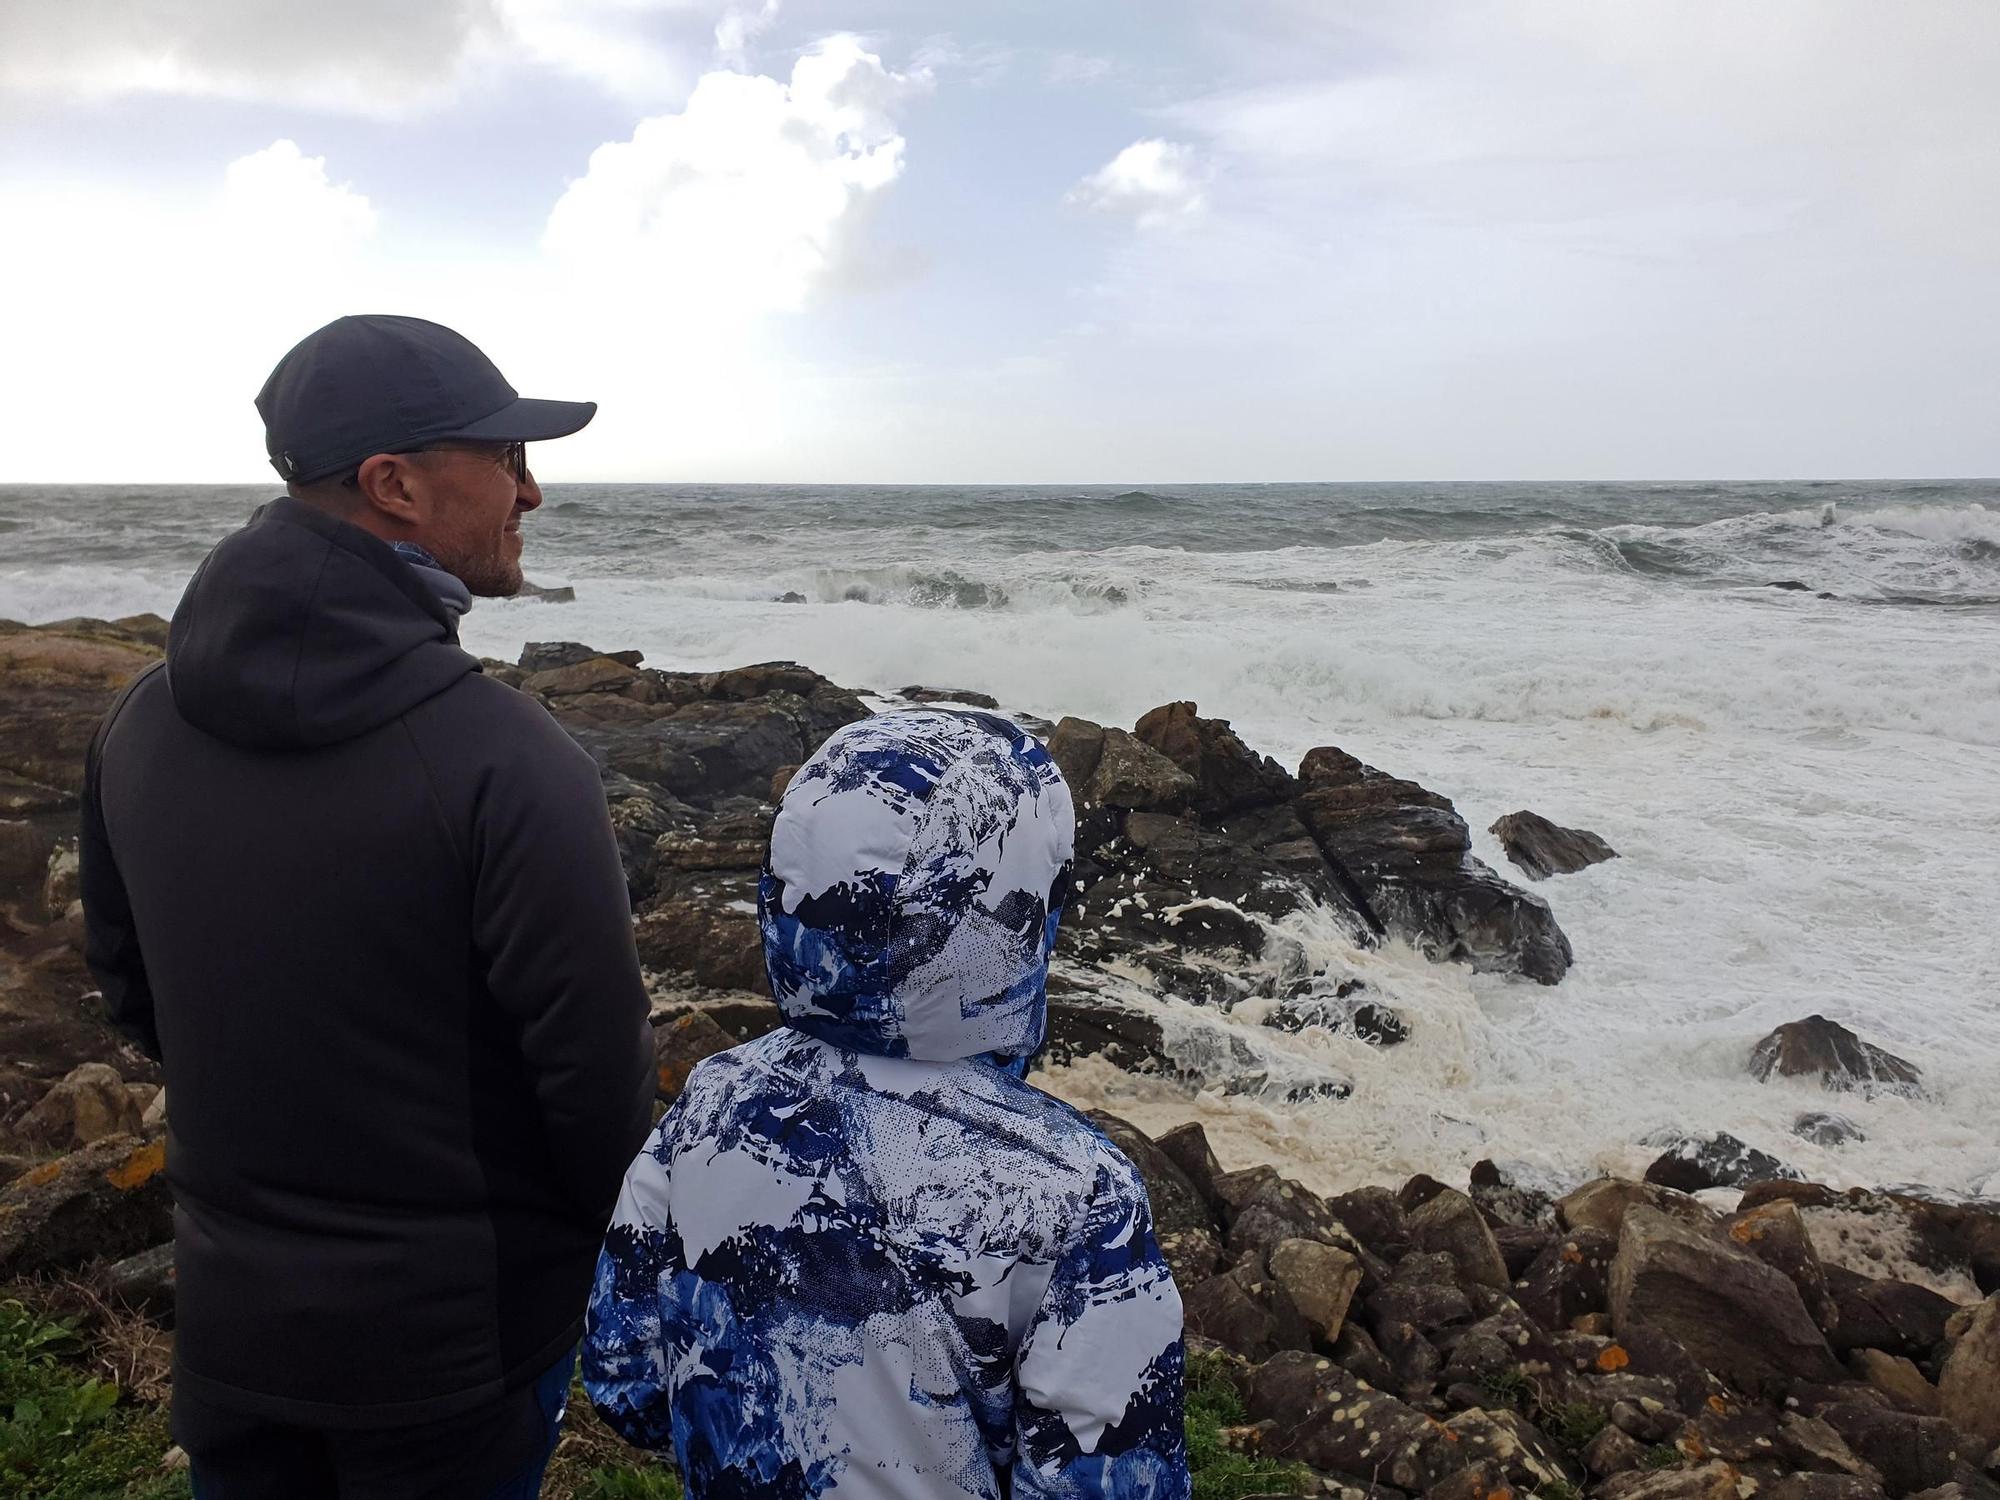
860,1257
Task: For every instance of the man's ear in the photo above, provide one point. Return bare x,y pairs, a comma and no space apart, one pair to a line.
386,482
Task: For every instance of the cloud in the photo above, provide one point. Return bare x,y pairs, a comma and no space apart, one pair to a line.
282,188
746,200
742,23
376,57
1154,182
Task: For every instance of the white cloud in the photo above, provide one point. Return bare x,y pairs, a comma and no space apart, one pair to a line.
376,57
1155,182
744,201
742,22
281,188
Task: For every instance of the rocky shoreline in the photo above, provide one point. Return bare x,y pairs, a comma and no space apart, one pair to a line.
1624,1339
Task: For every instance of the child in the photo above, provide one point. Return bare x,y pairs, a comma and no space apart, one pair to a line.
860,1256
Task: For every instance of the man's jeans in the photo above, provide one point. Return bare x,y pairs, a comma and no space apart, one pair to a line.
497,1452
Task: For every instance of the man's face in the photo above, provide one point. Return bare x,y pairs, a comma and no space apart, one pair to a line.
473,504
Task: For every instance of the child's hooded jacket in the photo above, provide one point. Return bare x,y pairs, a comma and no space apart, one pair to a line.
859,1256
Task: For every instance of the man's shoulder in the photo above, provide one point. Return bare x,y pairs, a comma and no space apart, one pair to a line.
501,722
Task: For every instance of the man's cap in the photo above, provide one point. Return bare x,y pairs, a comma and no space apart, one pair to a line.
376,383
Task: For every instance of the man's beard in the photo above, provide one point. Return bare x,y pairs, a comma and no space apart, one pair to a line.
489,574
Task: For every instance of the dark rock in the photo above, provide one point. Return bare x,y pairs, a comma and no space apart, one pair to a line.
1840,1058
791,596
1405,852
1652,1353
1521,1246
743,1018
1084,1023
91,1102
549,656
1367,1020
1612,1451
1182,1219
1825,1129
1485,1480
596,674
1246,1311
702,932
1736,1315
1357,1352
1822,1487
1568,1279
1417,1191
1374,1216
1710,1481
1450,1223
1541,848
1186,1146
1281,1209
1911,1453
1897,1317
1111,768
1414,1361
145,1282
1328,1419
1776,1235
1789,585
560,593
1899,1381
1320,1280
1697,1162
949,695
1510,1440
1423,1292
107,1200
1228,776
734,837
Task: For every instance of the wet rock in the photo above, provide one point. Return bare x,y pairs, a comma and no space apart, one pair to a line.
679,1044
1969,1384
1821,1487
1736,1315
1228,776
963,696
1423,1292
1569,1279
1503,1343
56,681
1319,1279
1451,1224
743,1018
91,1102
1186,1146
1826,1129
62,885
734,837
1182,1219
1340,1011
1612,1451
1541,848
1485,1480
1376,1218
1109,767
1693,1163
1199,1054
1911,1453
1280,1209
1357,1352
551,656
1510,1440
1953,1247
595,674
107,1200
1899,1380
1840,1059
1776,1234
1521,1247
561,593
1602,1205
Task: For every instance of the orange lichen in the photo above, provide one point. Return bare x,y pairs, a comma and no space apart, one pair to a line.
140,1168
1614,1358
46,1172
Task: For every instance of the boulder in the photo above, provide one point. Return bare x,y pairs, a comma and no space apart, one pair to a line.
1451,1224
1839,1058
1911,1453
1422,1292
964,696
548,656
1182,1220
1824,1128
703,934
1811,1486
107,1200
1602,1204
1693,1163
1247,1312
1330,1420
1187,1147
1710,1481
1109,767
1896,1317
1570,1279
596,674
1969,1384
1541,848
1406,854
91,1102
1319,1279
1736,1315
1506,1438
1776,1234
1228,776
145,1282
1375,1216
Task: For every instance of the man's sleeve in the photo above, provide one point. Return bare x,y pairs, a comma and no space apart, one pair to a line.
110,936
1101,1369
552,921
624,1351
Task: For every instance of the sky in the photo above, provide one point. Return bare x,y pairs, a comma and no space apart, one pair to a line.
1103,241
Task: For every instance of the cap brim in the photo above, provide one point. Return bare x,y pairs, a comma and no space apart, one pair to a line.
527,420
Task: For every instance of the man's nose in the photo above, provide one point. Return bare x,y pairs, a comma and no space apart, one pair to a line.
528,493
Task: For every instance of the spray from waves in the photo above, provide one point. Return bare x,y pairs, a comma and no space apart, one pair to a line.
953,589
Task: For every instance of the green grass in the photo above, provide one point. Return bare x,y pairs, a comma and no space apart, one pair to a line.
1665,1456
1221,1473
1557,1489
1508,1387
65,1435
1572,1425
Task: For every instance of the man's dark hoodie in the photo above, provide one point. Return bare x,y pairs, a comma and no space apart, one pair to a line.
364,903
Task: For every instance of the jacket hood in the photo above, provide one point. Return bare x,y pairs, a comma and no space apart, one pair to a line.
918,868
300,630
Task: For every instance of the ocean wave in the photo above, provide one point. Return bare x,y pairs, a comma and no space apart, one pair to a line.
951,589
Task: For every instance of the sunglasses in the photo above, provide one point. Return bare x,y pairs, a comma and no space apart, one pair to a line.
512,456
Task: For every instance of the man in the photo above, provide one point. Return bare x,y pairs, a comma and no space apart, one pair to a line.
861,1257
364,904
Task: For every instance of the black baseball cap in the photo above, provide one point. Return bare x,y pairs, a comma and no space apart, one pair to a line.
376,383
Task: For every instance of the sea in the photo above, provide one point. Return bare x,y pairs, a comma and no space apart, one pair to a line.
1779,702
